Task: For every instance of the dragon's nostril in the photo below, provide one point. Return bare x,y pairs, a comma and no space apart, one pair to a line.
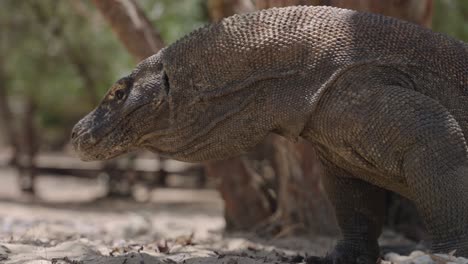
73,135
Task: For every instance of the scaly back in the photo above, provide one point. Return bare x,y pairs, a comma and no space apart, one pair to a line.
312,37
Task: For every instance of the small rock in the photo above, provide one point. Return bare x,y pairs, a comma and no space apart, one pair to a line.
137,225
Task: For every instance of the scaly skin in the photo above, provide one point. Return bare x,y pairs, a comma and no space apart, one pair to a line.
384,102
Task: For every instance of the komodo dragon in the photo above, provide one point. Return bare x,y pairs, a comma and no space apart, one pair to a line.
384,102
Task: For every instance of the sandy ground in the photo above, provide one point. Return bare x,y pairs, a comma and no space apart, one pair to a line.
69,223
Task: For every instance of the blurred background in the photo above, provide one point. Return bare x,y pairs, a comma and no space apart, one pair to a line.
58,58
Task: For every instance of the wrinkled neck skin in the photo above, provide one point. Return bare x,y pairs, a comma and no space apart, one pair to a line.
229,121
226,126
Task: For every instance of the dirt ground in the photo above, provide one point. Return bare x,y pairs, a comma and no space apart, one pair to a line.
69,223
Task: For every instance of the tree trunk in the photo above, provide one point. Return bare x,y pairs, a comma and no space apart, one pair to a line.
245,202
219,9
6,117
132,27
302,206
27,165
24,150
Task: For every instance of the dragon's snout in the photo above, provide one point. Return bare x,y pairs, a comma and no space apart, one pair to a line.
82,141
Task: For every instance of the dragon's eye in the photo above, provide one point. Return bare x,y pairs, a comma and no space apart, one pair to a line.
119,94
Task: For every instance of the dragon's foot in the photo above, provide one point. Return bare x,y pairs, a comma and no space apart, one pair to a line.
348,253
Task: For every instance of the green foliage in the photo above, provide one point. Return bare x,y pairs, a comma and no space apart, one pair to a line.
64,55
451,17
175,18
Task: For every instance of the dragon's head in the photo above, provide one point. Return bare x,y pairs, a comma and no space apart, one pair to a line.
126,114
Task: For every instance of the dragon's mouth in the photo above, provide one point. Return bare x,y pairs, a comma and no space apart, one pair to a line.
103,141
87,150
99,151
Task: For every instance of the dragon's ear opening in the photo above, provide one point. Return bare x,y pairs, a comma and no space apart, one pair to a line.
166,82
